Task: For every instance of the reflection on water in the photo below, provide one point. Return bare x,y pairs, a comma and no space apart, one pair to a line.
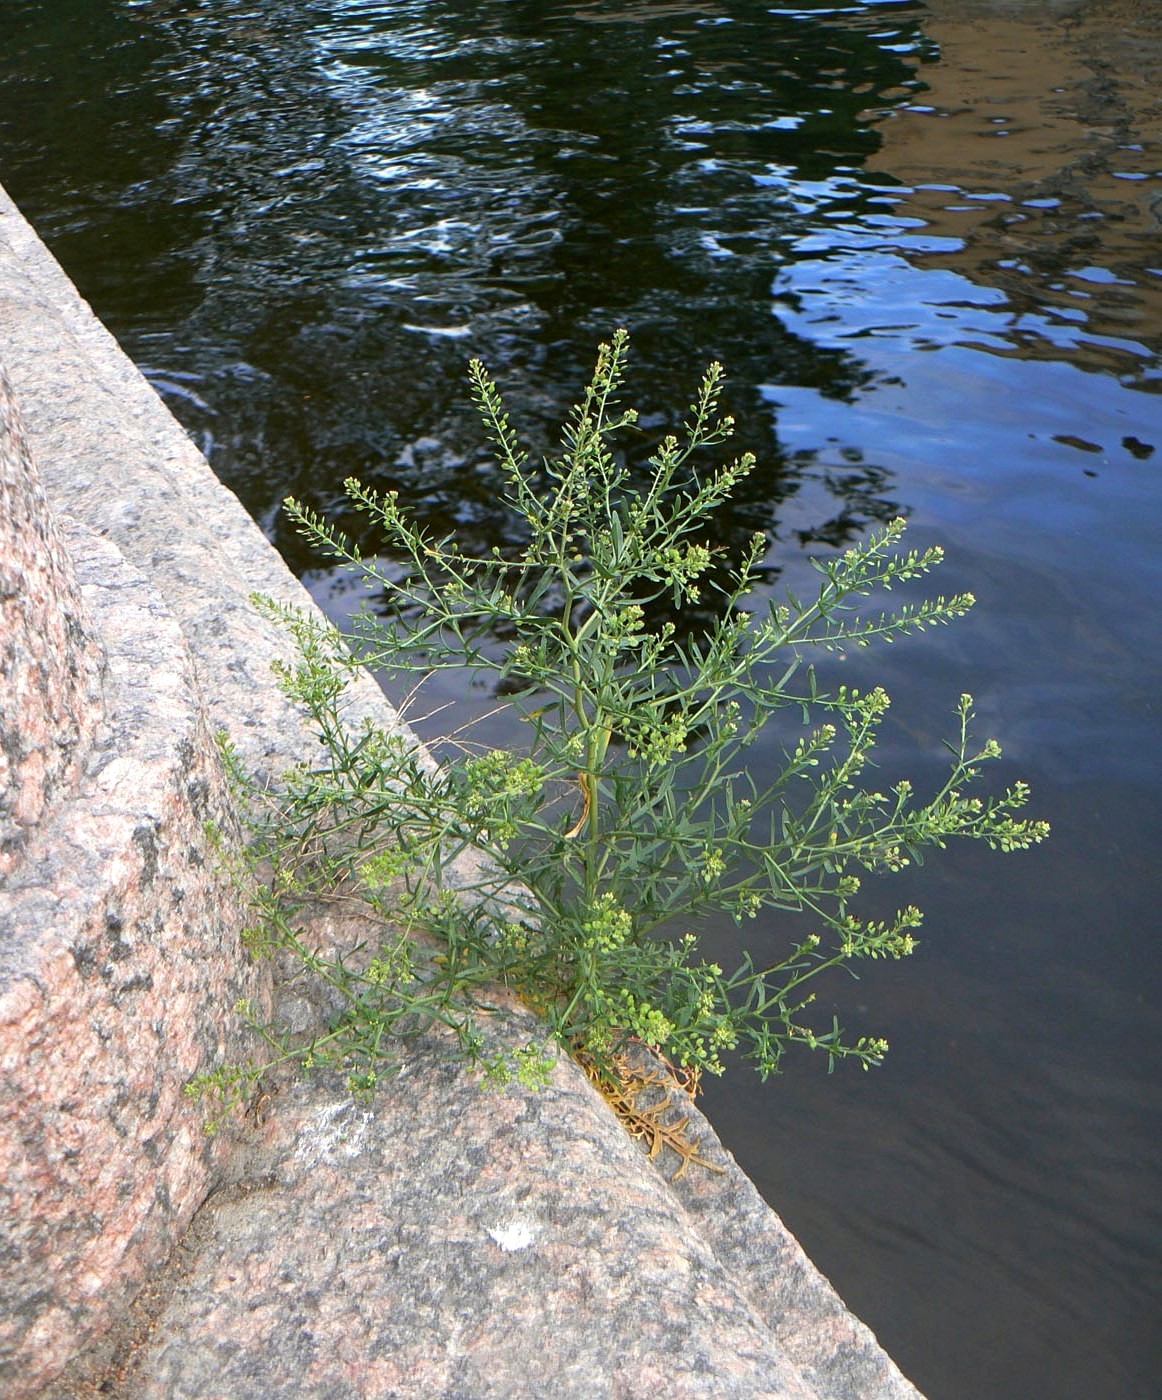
1028,175
926,240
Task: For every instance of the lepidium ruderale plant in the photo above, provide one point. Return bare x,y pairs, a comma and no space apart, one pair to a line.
628,814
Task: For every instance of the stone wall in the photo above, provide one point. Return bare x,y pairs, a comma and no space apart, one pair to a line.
119,936
50,661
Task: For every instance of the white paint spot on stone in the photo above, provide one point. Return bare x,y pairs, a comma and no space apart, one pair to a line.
512,1235
336,1131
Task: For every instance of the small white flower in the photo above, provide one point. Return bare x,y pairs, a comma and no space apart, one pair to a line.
512,1235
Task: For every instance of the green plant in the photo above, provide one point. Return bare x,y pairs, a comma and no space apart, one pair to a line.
577,871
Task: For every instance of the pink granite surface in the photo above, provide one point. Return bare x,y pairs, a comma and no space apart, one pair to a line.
119,961
50,662
445,1240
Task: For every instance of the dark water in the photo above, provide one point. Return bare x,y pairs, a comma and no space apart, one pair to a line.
926,240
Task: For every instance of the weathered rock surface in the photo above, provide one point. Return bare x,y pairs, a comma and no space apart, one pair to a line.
119,950
110,454
50,662
448,1241
436,1241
